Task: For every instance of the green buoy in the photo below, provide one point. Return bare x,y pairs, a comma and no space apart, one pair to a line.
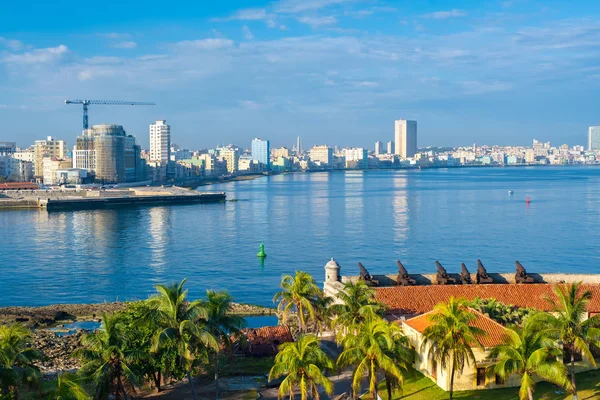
261,251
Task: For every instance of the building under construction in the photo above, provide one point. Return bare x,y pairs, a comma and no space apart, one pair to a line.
109,153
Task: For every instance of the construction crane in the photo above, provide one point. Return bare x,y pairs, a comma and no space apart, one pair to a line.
86,103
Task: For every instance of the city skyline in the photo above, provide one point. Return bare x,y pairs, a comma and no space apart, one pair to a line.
340,70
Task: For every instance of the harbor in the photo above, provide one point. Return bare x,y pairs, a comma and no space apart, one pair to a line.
99,198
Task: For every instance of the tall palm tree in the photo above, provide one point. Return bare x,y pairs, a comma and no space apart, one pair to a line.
181,322
303,364
300,294
528,352
370,347
67,388
567,322
107,361
357,303
17,359
221,324
450,338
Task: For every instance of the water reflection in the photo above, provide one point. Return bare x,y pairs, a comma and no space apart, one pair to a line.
160,236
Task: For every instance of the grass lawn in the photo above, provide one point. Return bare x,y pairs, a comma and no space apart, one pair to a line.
422,388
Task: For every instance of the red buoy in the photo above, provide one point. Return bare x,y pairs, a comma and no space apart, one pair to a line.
527,200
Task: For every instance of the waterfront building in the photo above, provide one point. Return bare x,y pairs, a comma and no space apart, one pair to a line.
25,155
15,170
109,153
322,155
405,138
160,148
594,138
378,148
178,154
530,156
298,145
51,165
390,147
7,148
47,148
231,156
357,158
261,151
280,152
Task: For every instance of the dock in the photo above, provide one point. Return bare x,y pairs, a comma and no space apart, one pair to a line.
89,199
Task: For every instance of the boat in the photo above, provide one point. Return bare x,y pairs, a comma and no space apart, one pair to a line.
511,192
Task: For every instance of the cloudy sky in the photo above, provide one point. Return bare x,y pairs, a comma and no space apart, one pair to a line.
331,71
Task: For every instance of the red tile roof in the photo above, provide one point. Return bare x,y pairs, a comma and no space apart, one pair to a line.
494,331
269,335
421,299
19,185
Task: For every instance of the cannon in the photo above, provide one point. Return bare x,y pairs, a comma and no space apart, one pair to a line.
482,275
442,276
403,278
465,275
366,277
521,275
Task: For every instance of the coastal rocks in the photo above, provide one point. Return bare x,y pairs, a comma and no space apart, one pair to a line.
58,351
250,309
35,317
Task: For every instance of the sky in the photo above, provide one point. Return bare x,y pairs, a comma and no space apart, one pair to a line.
330,71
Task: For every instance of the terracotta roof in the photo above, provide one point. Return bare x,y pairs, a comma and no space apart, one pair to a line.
18,185
422,299
494,331
269,335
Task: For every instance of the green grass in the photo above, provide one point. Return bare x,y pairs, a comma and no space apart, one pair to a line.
423,388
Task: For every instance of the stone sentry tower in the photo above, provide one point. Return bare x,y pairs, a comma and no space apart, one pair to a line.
333,279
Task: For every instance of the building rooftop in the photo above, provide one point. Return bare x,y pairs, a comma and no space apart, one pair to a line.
269,335
410,300
494,331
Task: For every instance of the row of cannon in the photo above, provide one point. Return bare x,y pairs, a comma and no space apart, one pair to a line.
443,278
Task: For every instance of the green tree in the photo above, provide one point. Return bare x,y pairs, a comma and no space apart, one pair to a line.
67,388
303,364
300,294
221,324
181,323
17,359
107,360
357,304
450,338
567,322
370,347
140,329
528,351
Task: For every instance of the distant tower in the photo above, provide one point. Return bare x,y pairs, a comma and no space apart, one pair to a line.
474,148
390,147
298,145
594,138
405,137
378,148
332,272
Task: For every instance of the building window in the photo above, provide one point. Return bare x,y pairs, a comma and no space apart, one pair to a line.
499,380
480,376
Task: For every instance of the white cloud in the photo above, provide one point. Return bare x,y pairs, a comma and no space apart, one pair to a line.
248,35
316,22
478,87
296,6
206,44
127,44
249,104
248,14
454,13
12,44
38,56
114,35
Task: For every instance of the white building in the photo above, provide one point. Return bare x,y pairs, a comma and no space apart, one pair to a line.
405,138
390,147
231,156
594,138
160,141
25,155
322,155
15,169
51,165
357,158
47,148
378,148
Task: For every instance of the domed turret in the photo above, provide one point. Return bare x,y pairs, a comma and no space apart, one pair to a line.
332,271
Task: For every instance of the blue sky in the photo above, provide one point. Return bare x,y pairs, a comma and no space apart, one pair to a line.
331,71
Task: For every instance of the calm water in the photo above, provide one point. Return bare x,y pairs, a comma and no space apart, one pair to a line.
376,217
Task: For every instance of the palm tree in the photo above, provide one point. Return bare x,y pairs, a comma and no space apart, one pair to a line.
67,388
221,324
107,361
370,348
402,355
16,359
450,338
357,303
302,363
528,351
300,294
567,322
181,322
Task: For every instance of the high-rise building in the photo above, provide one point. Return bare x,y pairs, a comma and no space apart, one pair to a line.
405,138
47,148
378,147
280,152
390,147
7,148
261,151
357,158
160,141
298,145
110,153
231,156
594,138
321,154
